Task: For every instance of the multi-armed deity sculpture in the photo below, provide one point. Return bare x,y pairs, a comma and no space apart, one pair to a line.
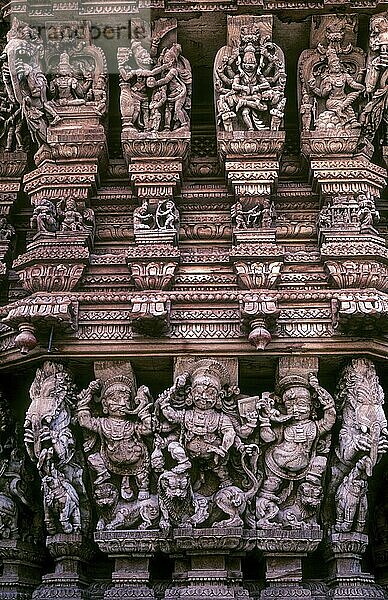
249,83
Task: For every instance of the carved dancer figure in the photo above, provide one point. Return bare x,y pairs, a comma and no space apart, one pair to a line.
291,457
167,215
116,448
7,231
362,441
155,86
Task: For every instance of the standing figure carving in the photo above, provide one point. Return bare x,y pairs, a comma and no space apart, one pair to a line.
155,85
116,424
51,445
363,439
249,84
296,455
199,424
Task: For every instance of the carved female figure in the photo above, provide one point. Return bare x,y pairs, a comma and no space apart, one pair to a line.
334,87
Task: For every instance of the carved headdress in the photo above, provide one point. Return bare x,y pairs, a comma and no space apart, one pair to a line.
112,373
210,371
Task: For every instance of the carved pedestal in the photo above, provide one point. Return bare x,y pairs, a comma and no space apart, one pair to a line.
346,580
21,563
212,567
71,553
283,552
131,551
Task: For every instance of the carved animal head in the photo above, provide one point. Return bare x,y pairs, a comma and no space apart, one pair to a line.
310,495
106,496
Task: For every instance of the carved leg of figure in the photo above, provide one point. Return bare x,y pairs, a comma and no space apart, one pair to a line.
168,116
10,136
246,117
98,465
143,483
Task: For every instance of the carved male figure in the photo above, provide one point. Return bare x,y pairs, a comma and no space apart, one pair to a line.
117,443
291,455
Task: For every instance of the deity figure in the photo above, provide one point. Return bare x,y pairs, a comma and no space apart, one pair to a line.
296,451
70,217
65,87
51,445
115,444
367,213
374,117
44,217
362,441
334,87
250,83
155,86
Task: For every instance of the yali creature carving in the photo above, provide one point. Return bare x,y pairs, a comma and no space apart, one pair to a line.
51,446
363,439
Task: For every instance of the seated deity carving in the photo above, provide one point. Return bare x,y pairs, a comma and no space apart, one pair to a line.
250,83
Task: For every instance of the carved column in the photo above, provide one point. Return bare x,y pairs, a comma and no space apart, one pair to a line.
21,545
65,123
333,138
50,443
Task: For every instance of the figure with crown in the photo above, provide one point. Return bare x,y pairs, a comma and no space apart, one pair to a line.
115,441
250,83
296,455
340,90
